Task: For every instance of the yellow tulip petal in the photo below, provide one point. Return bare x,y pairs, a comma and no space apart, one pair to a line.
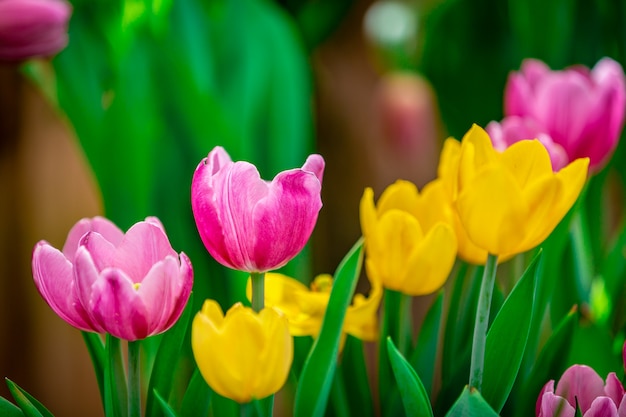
476,152
430,264
434,205
401,195
528,161
467,249
493,211
449,159
275,361
573,177
362,316
367,211
542,199
391,243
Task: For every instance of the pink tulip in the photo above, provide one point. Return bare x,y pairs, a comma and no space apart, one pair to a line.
514,128
250,224
131,285
30,28
581,110
581,384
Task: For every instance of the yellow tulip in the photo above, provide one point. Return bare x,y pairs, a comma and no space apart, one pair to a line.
244,355
305,307
410,248
510,201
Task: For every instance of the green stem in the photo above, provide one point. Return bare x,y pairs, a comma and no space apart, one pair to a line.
134,380
583,261
258,290
482,322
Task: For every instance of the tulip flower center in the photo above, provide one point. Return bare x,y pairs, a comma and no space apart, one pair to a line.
136,286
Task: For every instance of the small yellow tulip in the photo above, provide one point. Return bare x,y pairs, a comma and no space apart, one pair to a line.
244,355
410,248
510,202
305,307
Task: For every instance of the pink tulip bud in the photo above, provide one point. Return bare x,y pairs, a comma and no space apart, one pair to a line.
131,285
250,224
513,129
31,28
580,385
581,110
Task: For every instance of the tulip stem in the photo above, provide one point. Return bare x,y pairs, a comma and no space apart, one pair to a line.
583,262
134,380
482,322
258,290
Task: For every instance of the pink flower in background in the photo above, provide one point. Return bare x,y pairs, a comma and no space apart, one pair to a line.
582,110
31,28
581,384
512,129
250,224
131,285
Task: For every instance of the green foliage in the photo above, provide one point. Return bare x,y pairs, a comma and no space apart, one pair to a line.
317,374
471,404
28,404
414,395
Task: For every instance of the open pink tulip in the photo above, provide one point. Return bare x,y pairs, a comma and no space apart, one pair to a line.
512,129
250,224
581,384
581,110
31,28
131,285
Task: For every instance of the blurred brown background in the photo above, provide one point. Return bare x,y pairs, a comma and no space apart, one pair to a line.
371,128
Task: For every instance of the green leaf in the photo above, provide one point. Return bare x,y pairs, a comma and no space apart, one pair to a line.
471,404
167,360
115,395
358,389
95,347
8,409
506,339
165,407
29,404
424,355
317,374
550,364
197,399
414,395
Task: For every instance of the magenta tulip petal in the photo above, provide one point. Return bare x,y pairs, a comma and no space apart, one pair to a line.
101,250
100,225
602,407
181,289
555,406
250,224
142,246
621,409
284,220
156,293
54,278
117,306
580,382
614,388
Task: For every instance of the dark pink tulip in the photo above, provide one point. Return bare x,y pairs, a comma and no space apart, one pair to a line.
131,285
514,128
581,384
250,224
32,28
581,110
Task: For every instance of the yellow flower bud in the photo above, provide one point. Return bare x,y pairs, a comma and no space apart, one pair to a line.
244,355
409,249
510,202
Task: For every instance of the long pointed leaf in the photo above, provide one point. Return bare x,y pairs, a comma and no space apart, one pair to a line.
8,409
30,406
317,374
165,407
197,399
506,339
414,395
